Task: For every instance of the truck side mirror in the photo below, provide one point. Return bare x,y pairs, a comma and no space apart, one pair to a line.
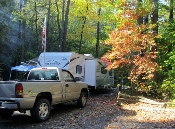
77,79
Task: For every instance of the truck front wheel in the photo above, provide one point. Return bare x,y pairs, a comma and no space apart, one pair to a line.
82,100
41,110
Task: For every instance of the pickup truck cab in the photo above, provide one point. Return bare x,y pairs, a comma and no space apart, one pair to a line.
44,87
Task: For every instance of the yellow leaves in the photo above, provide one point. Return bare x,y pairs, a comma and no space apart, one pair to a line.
132,45
121,3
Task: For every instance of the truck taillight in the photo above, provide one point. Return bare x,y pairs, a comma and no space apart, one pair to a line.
19,90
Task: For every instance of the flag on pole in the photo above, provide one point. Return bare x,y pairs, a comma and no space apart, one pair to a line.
44,35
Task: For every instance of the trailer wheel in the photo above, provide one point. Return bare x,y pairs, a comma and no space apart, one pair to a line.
6,115
41,110
82,100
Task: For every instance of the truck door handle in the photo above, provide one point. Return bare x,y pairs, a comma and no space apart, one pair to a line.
67,85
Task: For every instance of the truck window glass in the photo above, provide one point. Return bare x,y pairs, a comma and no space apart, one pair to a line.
78,69
46,74
68,77
51,75
34,75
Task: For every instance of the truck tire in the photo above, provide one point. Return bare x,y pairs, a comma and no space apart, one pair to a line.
6,115
41,110
82,100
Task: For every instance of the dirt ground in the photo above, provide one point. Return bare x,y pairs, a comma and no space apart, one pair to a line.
100,113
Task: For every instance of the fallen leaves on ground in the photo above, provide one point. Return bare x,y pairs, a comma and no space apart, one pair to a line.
143,115
102,113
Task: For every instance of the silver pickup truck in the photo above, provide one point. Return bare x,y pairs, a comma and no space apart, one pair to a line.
43,88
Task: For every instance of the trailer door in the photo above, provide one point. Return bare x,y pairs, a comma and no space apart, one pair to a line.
90,72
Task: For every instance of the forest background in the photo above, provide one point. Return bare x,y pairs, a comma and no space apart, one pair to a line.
134,37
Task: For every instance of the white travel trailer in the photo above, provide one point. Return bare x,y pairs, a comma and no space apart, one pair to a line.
89,69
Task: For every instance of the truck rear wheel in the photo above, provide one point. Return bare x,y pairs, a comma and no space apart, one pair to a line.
82,100
41,110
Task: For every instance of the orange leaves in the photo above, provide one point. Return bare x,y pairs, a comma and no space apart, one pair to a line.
132,45
143,65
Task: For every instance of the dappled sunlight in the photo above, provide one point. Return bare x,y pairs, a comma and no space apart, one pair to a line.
148,113
143,115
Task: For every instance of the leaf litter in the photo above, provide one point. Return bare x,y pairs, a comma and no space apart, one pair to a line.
102,113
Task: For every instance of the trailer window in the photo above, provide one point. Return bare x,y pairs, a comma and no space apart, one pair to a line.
78,69
103,70
110,73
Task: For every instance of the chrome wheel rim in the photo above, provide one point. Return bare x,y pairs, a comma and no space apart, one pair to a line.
84,100
43,110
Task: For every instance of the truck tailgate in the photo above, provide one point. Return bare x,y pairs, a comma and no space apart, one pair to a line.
7,89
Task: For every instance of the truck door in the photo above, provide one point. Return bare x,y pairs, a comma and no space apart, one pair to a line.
72,90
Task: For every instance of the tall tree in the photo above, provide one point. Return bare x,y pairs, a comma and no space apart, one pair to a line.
66,25
171,10
98,34
130,46
22,30
59,26
140,16
65,14
84,19
36,27
154,16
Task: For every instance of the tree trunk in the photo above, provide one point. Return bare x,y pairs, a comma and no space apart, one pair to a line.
23,41
48,40
82,29
36,27
140,19
59,28
145,19
65,26
21,33
171,10
98,35
62,30
154,16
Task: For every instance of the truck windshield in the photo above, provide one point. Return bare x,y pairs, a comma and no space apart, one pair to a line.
43,74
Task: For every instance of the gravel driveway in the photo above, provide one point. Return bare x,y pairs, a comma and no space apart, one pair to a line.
99,113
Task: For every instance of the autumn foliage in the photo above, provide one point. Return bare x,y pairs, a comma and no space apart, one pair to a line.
132,44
